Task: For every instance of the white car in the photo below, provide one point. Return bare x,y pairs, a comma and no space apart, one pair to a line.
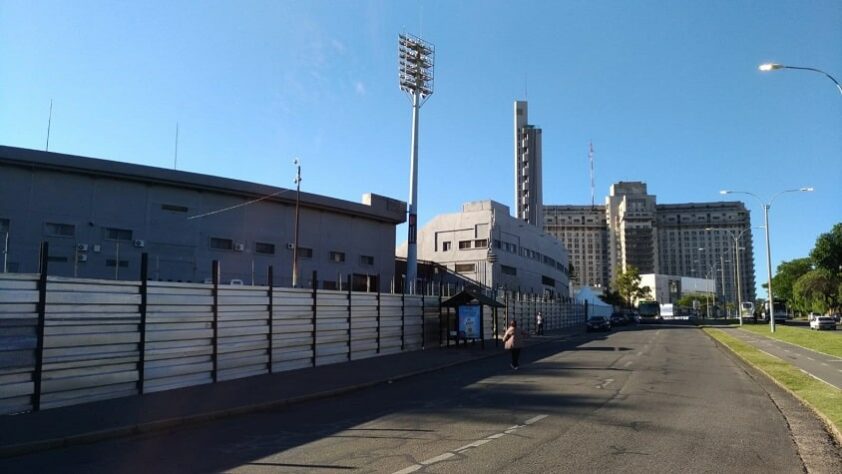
822,322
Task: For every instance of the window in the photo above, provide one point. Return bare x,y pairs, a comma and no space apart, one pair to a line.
464,244
112,262
264,248
507,270
221,244
481,243
60,230
4,226
547,281
118,234
446,246
497,244
56,259
173,208
366,260
305,252
337,257
465,267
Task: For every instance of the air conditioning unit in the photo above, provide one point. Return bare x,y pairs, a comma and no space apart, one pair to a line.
139,244
83,258
82,247
97,248
239,247
290,246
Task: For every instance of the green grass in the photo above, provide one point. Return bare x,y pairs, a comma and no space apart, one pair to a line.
818,395
828,342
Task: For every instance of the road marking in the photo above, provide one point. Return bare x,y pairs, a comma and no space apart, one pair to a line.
810,358
640,353
444,457
819,378
628,363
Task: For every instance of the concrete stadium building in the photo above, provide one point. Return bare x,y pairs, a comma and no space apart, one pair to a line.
99,216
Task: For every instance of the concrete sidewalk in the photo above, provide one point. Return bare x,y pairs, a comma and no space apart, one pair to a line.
108,419
824,367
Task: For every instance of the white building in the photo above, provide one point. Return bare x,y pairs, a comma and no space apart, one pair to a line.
486,244
668,289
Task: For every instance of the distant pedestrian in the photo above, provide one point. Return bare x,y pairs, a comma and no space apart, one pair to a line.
539,324
512,341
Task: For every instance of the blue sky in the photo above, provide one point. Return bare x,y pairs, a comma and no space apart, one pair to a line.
668,91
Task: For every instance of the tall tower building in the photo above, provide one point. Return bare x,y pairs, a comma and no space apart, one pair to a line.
528,195
630,213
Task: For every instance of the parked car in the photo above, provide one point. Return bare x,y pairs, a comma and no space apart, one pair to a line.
597,323
822,322
618,319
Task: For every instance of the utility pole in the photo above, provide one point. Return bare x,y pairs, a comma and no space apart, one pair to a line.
416,78
297,215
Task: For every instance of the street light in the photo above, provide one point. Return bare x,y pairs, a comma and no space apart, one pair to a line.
773,67
766,206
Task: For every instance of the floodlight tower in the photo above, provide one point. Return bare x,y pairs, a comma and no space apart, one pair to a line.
416,79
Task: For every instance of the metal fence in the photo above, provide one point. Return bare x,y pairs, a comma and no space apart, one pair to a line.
65,341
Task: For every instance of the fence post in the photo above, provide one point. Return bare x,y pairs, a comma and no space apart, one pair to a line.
215,292
378,313
144,291
271,319
349,316
42,316
403,318
315,283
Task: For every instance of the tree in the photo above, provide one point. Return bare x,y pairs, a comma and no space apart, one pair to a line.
686,301
827,252
818,291
628,286
787,274
612,297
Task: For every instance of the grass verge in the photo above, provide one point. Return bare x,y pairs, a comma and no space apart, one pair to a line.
827,342
819,396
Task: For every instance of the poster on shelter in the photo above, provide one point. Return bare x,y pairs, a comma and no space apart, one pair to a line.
469,321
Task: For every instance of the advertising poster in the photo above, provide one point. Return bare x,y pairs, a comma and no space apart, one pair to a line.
469,321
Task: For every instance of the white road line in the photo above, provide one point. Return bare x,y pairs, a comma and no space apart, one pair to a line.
640,353
810,358
475,444
628,363
819,378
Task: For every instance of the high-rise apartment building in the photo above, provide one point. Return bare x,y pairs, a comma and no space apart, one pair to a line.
583,231
631,229
528,196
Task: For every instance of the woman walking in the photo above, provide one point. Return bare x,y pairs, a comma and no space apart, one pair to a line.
513,341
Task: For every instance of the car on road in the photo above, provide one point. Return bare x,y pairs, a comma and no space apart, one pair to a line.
822,322
598,323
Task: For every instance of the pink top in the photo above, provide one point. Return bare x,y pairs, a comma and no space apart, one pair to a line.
512,338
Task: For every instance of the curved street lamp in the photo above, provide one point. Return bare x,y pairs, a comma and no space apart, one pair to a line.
766,206
772,67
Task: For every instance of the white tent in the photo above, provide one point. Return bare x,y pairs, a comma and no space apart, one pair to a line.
596,307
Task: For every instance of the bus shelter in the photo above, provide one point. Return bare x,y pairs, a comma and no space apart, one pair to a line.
469,323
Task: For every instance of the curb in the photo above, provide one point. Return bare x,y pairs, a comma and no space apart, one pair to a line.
163,425
836,433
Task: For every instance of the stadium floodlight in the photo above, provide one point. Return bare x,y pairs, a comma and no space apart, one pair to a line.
415,75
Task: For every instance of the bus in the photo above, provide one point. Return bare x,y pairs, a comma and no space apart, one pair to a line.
650,311
747,309
781,313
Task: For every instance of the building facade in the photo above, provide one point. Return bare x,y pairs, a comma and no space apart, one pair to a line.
691,240
484,243
99,216
583,232
528,174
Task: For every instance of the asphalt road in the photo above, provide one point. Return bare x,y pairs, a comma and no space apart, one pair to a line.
654,399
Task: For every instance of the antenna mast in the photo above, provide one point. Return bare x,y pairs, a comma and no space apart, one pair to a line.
590,160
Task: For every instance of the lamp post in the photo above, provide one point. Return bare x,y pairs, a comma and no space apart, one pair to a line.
772,67
766,207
